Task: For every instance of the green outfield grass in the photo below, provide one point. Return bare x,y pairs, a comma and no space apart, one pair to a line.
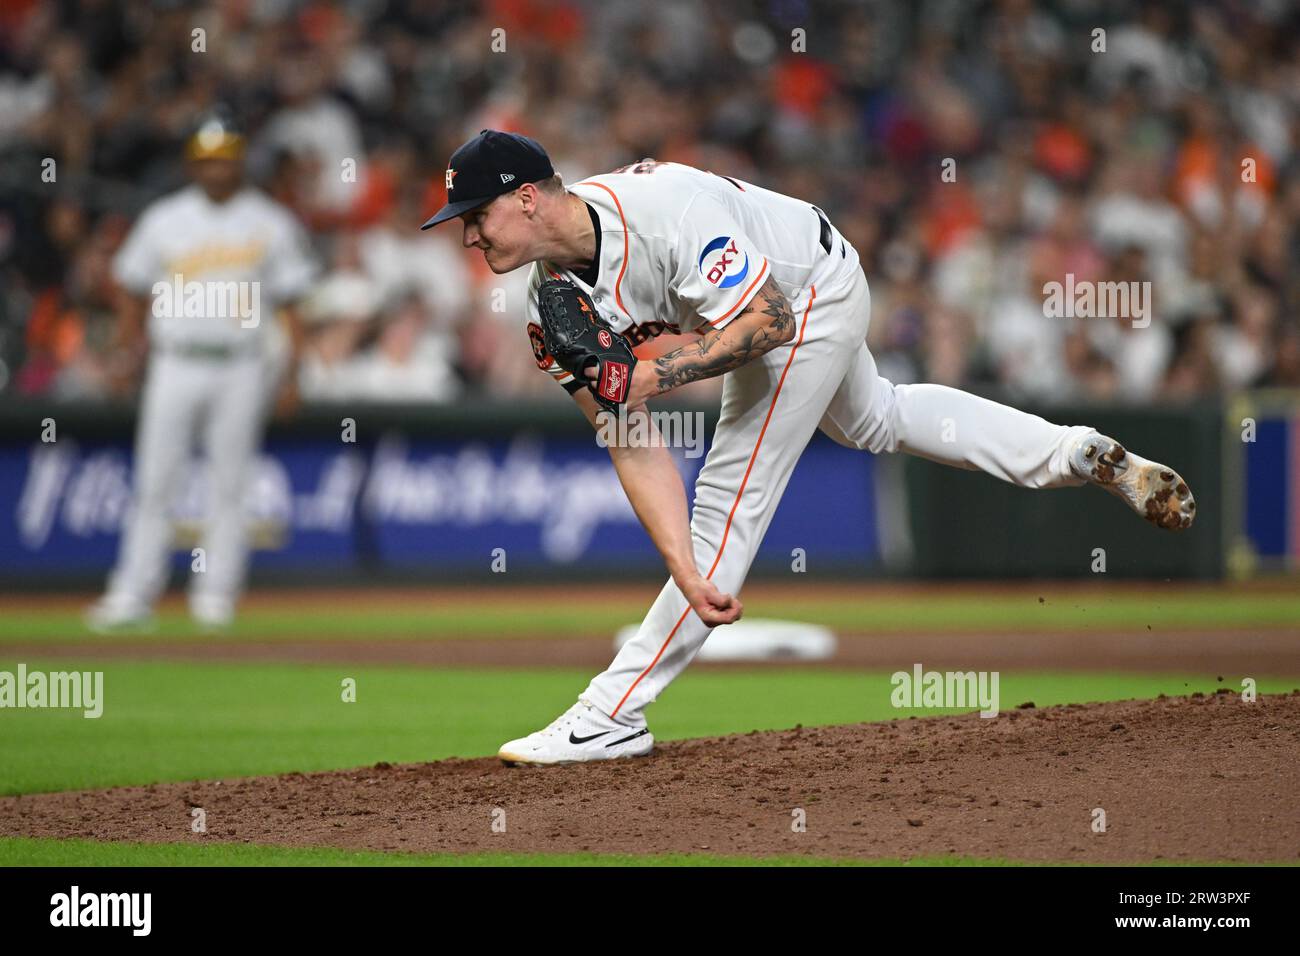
24,851
371,616
181,721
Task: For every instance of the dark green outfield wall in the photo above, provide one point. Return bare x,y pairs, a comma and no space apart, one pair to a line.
966,524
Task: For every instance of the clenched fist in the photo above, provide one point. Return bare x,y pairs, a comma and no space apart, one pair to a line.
713,607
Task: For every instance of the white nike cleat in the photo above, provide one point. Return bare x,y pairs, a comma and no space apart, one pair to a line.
1154,491
579,734
112,614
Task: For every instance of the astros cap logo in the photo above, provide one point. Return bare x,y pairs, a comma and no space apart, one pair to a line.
451,174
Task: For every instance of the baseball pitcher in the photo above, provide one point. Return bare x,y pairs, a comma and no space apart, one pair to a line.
781,308
208,266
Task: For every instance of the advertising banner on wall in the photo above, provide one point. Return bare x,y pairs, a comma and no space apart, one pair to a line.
411,503
1269,450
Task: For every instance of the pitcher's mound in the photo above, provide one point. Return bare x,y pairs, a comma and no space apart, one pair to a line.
1200,778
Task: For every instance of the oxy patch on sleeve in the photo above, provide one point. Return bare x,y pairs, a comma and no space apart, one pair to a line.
723,263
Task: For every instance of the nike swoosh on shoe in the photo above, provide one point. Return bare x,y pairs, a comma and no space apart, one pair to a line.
573,739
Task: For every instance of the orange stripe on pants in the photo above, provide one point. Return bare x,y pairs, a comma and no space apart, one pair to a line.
735,504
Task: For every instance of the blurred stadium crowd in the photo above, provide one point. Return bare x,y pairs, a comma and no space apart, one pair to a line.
1123,165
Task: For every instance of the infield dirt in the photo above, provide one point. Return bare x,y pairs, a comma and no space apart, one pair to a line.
1201,778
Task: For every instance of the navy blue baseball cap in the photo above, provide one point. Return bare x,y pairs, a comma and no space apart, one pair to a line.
489,165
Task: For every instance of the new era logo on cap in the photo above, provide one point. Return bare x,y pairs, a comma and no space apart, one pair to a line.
490,164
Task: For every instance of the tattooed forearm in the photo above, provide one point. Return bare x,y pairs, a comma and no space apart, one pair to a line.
777,307
766,323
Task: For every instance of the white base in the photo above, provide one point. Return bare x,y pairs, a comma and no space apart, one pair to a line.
758,640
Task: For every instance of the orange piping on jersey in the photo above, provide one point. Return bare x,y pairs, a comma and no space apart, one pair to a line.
744,298
726,531
618,283
554,274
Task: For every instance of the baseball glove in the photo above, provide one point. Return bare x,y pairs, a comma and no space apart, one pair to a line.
577,339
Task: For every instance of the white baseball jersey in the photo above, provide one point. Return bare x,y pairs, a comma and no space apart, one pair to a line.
243,257
680,249
215,273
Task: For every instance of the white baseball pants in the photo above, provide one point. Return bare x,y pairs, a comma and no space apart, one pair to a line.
221,401
825,378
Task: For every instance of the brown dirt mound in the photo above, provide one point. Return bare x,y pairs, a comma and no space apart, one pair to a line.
1200,778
